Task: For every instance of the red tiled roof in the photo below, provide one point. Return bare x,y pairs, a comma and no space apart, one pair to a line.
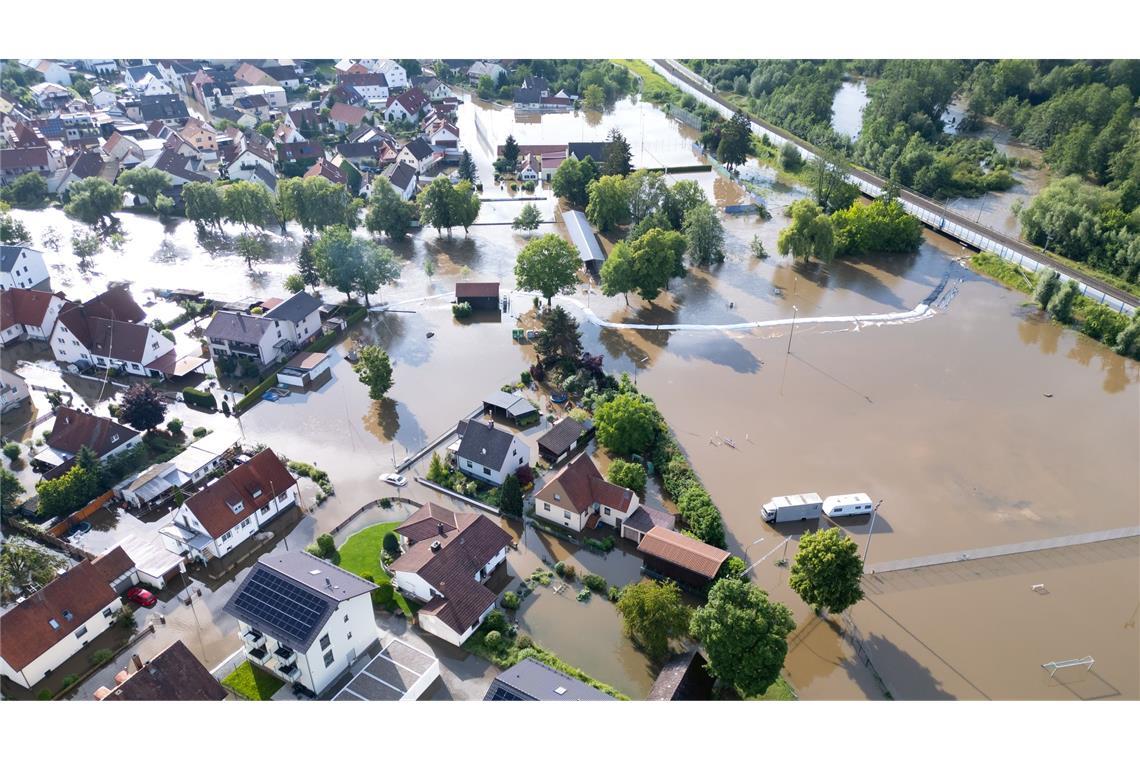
580,486
682,551
264,475
347,114
74,429
24,307
24,158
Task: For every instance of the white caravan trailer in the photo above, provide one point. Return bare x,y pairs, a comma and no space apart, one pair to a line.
848,504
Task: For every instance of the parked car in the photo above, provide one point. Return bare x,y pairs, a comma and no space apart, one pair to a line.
141,597
397,480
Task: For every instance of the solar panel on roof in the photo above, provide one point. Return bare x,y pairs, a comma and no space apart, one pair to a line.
278,604
502,695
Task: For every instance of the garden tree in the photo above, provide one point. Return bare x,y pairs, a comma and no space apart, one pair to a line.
84,245
757,247
374,370
733,567
744,634
616,155
528,219
735,141
248,204
307,266
164,205
680,198
629,475
827,571
608,204
266,129
436,471
465,204
572,179
809,235
319,203
251,247
467,169
1128,339
82,87
294,283
142,407
378,267
204,204
23,564
704,236
12,230
388,212
27,190
652,613
790,157
287,200
437,206
63,495
511,153
1046,286
594,98
10,490
486,88
701,516
145,183
627,424
560,337
339,258
510,497
549,265
93,201
882,226
1062,302
829,181
646,192
645,265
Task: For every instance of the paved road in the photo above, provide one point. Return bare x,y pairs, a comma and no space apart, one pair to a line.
932,213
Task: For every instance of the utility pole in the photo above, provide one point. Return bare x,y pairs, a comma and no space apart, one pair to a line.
871,532
795,311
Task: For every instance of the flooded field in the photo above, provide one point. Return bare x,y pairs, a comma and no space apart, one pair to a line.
847,108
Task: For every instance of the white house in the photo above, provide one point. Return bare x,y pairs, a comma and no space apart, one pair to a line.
47,93
108,331
489,453
55,623
445,559
481,69
245,165
274,95
303,619
407,106
13,390
30,314
74,430
396,74
580,498
190,467
403,178
153,85
420,155
49,70
370,86
22,267
214,521
268,337
134,75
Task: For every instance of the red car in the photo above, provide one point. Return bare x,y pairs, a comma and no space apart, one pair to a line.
142,597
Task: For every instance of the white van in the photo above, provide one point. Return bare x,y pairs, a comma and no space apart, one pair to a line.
847,505
801,506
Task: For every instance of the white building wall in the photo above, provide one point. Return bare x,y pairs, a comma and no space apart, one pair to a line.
412,584
612,518
351,630
63,649
28,271
555,512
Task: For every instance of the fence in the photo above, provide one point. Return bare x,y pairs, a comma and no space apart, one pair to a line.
394,499
454,495
686,117
56,543
75,518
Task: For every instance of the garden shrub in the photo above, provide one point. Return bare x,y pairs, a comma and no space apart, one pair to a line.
494,640
595,582
200,432
496,621
101,657
461,310
174,426
510,601
201,399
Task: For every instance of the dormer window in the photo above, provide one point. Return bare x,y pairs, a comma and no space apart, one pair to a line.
237,508
67,615
114,438
257,492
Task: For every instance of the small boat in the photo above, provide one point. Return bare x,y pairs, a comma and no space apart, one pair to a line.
729,442
431,335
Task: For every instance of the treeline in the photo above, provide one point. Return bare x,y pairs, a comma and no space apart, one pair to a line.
575,76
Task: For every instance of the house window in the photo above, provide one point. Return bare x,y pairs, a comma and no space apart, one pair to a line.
54,625
226,536
520,460
81,632
486,470
326,642
346,618
546,507
349,635
108,612
328,659
606,510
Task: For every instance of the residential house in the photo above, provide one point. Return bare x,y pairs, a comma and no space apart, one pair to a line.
285,76
169,109
216,520
561,440
480,69
49,70
534,681
595,150
107,331
74,430
47,628
274,95
16,162
349,66
362,155
420,155
445,559
489,453
253,163
303,619
579,498
188,468
152,85
675,555
49,95
344,117
530,168
299,155
133,75
402,176
443,136
174,674
433,88
268,337
99,65
84,165
305,120
247,73
102,98
329,170
180,168
13,390
203,136
394,73
30,314
254,106
23,267
400,672
407,106
370,86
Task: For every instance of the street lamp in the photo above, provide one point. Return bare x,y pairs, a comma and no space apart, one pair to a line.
795,312
871,531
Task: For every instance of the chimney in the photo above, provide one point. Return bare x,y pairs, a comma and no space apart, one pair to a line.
442,530
436,546
137,662
328,583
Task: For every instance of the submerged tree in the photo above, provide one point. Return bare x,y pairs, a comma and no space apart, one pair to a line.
374,370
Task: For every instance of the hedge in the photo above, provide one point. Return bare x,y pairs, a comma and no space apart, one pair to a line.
202,399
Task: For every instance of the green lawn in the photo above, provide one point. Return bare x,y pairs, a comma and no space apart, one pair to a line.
780,691
253,683
360,554
654,87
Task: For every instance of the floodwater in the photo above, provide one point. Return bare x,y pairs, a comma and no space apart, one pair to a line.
999,210
847,108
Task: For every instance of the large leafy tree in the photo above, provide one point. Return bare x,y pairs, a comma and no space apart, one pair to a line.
465,204
644,265
829,181
881,226
827,571
204,204
251,247
608,204
307,266
647,192
572,180
745,635
652,613
145,182
627,424
735,141
248,204
629,475
28,190
528,219
93,201
704,236
10,490
23,564
616,157
810,235
680,198
339,257
560,337
510,496
702,518
437,206
321,203
549,265
389,213
142,407
467,169
378,267
63,495
374,370
12,230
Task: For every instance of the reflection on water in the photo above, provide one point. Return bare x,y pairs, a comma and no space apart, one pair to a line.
847,108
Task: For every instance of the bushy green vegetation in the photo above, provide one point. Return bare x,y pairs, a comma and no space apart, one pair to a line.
360,554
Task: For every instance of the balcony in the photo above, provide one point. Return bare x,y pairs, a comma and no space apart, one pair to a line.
260,655
289,672
285,656
253,638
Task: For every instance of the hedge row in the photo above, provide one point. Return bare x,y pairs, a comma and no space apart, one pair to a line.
683,486
201,399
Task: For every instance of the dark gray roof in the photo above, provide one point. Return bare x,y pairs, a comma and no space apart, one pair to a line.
175,674
138,72
532,681
244,328
583,237
402,176
419,148
162,107
291,596
512,403
295,308
595,150
268,178
646,517
9,254
485,445
562,436
684,678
